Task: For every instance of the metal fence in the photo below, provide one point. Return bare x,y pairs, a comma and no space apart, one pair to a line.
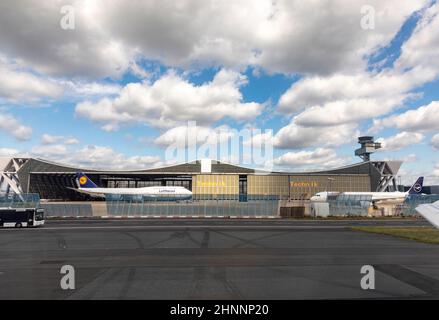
67,209
209,206
349,205
408,208
25,200
134,206
205,206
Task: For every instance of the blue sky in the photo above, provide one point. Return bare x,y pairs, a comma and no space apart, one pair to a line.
118,87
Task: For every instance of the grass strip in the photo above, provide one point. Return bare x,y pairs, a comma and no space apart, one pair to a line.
421,234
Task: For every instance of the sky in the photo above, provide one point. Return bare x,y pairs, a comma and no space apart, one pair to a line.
118,84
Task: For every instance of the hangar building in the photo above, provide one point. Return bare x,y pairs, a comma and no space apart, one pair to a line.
207,179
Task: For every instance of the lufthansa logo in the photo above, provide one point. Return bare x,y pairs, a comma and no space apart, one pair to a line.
418,187
82,180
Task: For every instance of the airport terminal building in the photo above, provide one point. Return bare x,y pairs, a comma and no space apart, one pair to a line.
207,179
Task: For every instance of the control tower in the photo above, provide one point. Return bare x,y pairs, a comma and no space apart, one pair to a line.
368,146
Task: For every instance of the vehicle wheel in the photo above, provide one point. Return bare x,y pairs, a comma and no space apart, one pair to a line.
18,225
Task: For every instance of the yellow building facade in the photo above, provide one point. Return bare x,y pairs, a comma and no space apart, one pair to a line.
284,186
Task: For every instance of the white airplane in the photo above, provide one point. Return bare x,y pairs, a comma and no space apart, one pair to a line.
430,211
154,193
416,188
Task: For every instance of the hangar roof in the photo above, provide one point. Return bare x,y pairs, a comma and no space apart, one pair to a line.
34,165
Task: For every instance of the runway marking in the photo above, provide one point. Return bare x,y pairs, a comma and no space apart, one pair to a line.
219,218
181,227
418,280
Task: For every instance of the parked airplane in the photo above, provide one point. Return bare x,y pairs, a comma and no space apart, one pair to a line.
430,211
416,188
152,193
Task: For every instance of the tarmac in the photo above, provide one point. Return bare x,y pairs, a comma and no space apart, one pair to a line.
215,259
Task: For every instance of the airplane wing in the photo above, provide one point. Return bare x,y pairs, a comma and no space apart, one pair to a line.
430,211
98,195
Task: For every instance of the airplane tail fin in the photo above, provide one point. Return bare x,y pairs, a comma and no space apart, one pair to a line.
84,181
416,188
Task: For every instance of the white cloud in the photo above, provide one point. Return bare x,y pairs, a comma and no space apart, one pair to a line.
341,98
81,89
435,141
110,35
420,56
106,157
91,156
49,151
320,157
294,136
183,136
51,139
400,141
8,152
38,40
361,88
260,138
351,97
187,143
322,41
407,175
20,86
411,158
421,119
70,141
268,34
10,125
420,50
172,100
139,71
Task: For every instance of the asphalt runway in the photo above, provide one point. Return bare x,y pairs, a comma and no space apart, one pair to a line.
215,259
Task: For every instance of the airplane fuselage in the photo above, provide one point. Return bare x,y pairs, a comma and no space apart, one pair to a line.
177,193
373,196
380,196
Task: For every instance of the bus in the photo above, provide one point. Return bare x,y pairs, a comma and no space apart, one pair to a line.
21,217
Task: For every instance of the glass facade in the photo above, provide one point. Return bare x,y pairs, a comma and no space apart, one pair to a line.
60,186
215,184
140,181
299,187
268,184
57,186
304,187
56,182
